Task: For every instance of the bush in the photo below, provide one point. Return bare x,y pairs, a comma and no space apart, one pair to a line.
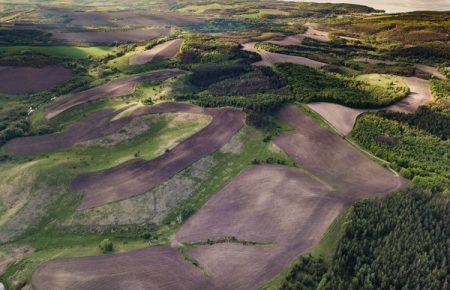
106,246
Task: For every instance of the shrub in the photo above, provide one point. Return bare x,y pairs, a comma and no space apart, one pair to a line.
106,246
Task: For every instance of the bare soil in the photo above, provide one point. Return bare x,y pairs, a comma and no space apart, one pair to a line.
271,58
332,158
139,176
150,268
342,118
107,37
23,80
162,51
419,95
428,70
115,88
374,61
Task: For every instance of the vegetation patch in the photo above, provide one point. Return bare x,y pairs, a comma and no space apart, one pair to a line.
367,91
416,154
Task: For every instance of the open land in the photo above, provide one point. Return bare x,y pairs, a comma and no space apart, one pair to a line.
162,51
116,88
138,176
23,80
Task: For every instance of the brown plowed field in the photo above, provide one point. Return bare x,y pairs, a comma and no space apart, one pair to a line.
284,206
271,58
332,158
22,80
265,204
138,176
97,125
152,268
342,118
162,51
115,88
129,18
109,36
419,94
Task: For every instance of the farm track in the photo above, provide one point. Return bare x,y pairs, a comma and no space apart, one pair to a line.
116,88
138,176
162,51
23,80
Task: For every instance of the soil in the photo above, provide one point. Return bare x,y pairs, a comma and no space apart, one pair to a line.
151,268
162,51
23,80
138,176
116,88
271,58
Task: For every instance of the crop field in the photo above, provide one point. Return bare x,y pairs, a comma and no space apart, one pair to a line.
352,172
22,80
162,51
115,88
128,272
210,144
138,176
106,37
60,50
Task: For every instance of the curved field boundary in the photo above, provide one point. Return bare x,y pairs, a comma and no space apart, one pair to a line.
151,268
115,88
431,71
332,158
162,51
139,176
343,118
23,80
271,58
97,125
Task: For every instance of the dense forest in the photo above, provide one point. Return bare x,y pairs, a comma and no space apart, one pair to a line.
308,84
396,242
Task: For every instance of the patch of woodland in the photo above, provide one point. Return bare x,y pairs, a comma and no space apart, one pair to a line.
398,242
417,154
309,84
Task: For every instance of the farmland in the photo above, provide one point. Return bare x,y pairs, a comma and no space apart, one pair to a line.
222,145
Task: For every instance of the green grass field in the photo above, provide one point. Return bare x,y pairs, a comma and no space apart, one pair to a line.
60,50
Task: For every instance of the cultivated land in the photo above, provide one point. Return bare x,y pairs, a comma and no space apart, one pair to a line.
188,154
271,58
109,36
120,87
332,158
138,176
141,269
162,51
23,80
